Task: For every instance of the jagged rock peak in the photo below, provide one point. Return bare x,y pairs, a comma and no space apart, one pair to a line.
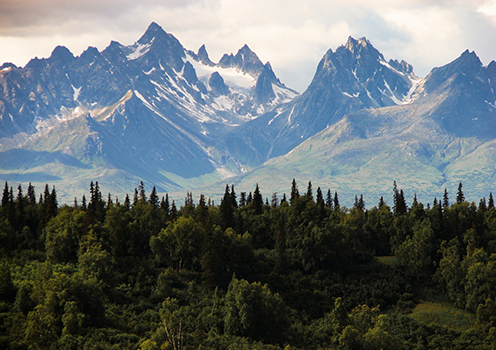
352,44
402,66
470,57
203,56
61,53
7,65
361,48
217,84
153,32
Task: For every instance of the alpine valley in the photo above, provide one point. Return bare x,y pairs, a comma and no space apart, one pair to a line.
172,118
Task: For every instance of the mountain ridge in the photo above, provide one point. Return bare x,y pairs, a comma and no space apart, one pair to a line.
158,112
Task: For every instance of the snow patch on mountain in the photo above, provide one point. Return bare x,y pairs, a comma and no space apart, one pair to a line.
139,51
232,77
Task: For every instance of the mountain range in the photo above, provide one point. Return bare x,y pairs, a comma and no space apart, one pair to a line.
158,112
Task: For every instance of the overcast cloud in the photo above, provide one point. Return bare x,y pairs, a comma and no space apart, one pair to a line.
293,35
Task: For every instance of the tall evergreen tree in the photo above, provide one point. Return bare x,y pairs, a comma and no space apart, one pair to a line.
336,200
257,201
249,199
284,200
490,203
226,209
5,196
319,198
165,207
242,199
188,201
173,211
381,202
135,197
234,201
31,194
141,192
460,198
482,204
154,198
294,193
361,203
127,202
445,199
399,207
109,201
329,199
309,191
274,201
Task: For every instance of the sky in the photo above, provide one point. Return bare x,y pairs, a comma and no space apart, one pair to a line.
292,34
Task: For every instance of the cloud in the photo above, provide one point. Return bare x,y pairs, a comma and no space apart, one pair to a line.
292,34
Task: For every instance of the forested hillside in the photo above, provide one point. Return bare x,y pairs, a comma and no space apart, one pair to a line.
252,272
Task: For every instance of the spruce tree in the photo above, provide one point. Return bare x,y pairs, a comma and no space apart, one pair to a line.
31,194
336,200
234,201
242,199
320,198
257,201
329,199
135,197
109,201
173,211
399,207
482,204
294,193
127,202
460,198
154,198
141,192
5,196
226,209
381,202
165,208
249,199
445,199
490,203
274,201
361,203
309,191
284,200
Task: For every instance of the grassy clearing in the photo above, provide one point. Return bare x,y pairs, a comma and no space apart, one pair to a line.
440,314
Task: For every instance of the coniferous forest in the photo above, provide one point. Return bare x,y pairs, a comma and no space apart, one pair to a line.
253,272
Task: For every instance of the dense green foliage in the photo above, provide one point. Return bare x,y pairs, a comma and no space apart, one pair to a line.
294,273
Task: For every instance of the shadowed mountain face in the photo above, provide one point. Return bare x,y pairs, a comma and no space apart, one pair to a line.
157,112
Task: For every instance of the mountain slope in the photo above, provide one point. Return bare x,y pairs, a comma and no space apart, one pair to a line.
447,135
152,110
354,77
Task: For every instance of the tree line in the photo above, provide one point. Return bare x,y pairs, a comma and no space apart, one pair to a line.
296,272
